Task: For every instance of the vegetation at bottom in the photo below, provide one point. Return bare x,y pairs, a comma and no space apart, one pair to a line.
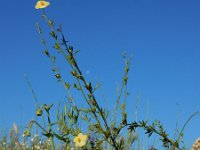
89,126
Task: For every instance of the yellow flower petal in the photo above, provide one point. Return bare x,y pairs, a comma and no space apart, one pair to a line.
83,137
76,139
41,4
80,140
82,143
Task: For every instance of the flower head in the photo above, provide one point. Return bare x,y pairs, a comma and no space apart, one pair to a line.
196,145
80,140
41,4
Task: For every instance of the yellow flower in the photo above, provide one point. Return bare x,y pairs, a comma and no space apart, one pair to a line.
41,4
196,145
80,140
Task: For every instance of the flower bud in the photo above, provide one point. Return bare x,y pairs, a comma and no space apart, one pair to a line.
39,112
47,107
73,73
58,76
27,133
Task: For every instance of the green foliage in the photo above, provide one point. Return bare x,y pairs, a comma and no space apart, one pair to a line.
101,133
71,118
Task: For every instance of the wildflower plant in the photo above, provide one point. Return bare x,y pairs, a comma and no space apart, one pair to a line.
101,133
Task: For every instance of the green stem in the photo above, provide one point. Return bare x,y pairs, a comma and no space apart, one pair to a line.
85,83
90,91
52,142
51,130
188,120
33,121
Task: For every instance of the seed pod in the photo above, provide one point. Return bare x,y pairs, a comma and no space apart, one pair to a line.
58,76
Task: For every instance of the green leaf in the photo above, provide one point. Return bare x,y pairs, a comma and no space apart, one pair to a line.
57,46
53,34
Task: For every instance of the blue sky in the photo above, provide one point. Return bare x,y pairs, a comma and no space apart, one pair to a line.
163,36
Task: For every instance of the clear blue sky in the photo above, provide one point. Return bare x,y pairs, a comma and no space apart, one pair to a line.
162,35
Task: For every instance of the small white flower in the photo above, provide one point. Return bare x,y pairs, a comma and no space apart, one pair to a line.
40,142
